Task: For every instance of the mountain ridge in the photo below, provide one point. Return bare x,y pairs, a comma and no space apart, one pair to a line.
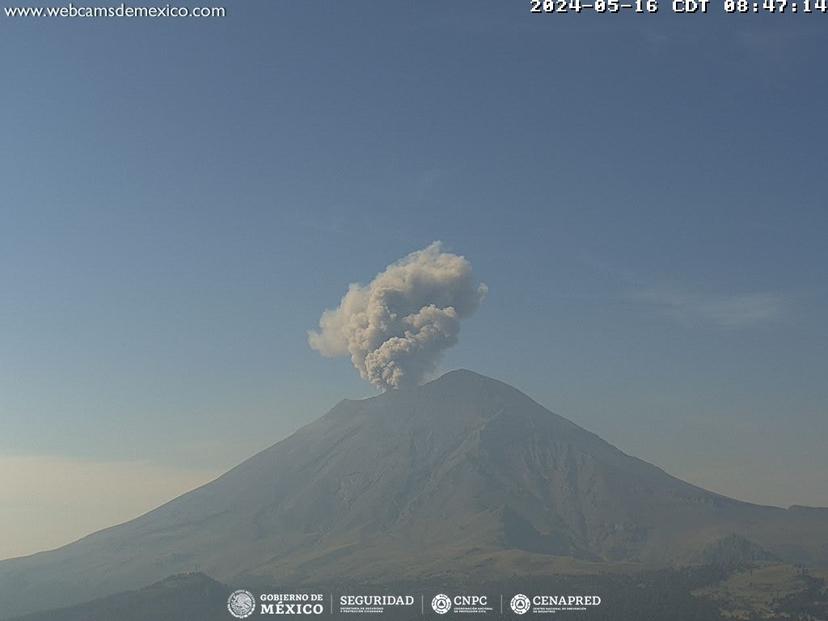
464,473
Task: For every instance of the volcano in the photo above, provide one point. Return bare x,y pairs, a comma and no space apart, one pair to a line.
463,475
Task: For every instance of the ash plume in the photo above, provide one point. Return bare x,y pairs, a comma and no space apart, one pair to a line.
396,327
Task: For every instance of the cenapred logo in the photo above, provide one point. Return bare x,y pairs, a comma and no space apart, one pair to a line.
520,604
441,603
241,604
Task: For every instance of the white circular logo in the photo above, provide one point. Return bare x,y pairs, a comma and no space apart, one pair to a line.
241,604
441,604
520,604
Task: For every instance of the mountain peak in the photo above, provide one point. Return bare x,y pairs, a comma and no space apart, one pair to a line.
461,374
455,395
455,377
464,377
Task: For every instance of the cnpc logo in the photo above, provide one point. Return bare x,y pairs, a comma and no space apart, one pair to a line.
442,603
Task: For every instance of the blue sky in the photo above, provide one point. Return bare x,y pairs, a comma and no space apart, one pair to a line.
644,196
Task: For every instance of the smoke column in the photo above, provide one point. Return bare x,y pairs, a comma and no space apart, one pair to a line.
396,327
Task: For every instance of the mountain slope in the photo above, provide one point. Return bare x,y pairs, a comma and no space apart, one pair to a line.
464,473
194,594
